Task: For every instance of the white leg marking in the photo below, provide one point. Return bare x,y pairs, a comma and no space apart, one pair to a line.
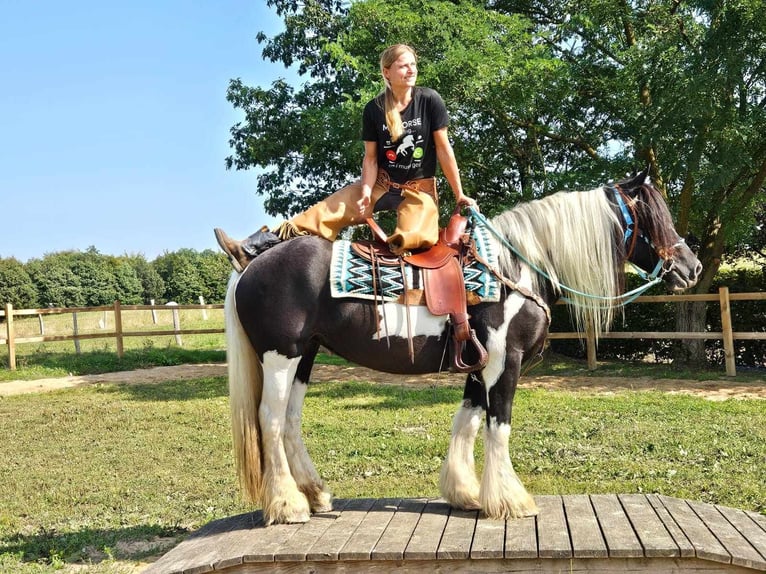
502,494
497,338
422,322
458,482
282,501
303,470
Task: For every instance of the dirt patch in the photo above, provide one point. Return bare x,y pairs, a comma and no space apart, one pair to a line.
712,390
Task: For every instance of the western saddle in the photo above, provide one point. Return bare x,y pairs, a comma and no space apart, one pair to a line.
443,283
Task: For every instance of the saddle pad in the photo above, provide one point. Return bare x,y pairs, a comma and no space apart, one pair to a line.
351,276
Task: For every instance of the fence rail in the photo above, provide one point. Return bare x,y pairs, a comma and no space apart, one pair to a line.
723,298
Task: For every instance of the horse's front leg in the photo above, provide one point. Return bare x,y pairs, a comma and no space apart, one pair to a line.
302,468
458,482
283,502
502,494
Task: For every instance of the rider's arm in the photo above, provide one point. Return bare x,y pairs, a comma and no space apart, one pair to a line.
369,176
446,157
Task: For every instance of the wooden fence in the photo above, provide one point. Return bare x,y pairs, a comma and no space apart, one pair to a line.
723,298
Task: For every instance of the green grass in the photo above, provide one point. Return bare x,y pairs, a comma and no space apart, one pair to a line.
109,474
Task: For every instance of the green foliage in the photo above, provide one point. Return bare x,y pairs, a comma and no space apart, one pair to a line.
80,279
16,285
187,274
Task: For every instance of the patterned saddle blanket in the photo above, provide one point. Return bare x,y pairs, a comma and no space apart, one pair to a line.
352,276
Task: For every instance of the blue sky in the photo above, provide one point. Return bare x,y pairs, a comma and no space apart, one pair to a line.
114,124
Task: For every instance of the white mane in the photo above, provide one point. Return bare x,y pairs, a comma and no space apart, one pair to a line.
570,237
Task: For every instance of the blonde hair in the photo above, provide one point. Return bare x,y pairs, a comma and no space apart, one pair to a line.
393,117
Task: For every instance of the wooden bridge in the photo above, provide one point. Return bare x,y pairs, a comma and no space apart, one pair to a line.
597,533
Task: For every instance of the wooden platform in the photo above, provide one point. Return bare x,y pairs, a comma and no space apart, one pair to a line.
601,533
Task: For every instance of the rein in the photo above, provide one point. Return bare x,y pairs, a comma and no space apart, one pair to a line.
652,279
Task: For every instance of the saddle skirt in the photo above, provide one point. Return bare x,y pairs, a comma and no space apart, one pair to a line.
352,276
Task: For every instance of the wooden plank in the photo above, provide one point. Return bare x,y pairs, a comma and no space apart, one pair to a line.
705,544
621,540
684,546
584,531
199,553
552,531
741,551
260,545
458,535
489,539
361,543
399,531
428,532
335,537
298,546
758,518
746,526
521,537
654,537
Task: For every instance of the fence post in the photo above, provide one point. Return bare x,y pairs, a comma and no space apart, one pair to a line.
42,324
9,336
118,328
728,335
154,312
590,346
76,340
177,324
204,311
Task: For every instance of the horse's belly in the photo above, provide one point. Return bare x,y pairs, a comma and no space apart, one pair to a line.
385,346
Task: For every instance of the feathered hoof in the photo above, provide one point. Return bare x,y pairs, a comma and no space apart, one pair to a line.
321,503
462,501
510,509
287,511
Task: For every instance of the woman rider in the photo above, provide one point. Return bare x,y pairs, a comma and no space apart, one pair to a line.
405,134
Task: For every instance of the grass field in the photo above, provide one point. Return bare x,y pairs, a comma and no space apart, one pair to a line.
107,476
100,479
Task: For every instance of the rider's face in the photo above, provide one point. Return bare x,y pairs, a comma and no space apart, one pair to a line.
403,73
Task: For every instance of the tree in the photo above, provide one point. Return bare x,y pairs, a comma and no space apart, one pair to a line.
152,285
544,95
57,285
181,275
16,286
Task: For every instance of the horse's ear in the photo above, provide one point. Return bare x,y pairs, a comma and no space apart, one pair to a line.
636,181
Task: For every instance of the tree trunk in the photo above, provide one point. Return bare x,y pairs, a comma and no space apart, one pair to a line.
691,316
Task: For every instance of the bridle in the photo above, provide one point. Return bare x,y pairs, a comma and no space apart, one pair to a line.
665,261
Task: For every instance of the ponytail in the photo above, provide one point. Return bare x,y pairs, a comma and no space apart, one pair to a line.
393,117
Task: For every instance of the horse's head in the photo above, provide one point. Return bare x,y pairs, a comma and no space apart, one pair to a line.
651,241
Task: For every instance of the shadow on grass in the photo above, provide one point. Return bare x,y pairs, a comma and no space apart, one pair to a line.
181,390
91,545
391,397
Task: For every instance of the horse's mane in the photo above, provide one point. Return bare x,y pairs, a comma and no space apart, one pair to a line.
573,237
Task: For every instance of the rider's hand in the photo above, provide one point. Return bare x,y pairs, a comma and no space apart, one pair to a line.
465,201
363,205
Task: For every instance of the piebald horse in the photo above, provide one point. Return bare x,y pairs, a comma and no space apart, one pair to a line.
279,311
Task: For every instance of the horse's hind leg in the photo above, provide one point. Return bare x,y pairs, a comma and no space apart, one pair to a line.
283,502
302,468
458,482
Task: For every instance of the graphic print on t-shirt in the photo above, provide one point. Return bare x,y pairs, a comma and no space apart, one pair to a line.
407,153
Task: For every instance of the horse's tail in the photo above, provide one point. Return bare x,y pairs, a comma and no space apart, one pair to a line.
245,390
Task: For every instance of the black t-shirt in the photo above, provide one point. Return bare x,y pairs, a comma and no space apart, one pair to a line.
413,156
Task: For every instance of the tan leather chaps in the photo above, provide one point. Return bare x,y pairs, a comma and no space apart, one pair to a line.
417,215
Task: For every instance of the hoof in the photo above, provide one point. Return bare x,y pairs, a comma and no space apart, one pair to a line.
283,511
322,503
